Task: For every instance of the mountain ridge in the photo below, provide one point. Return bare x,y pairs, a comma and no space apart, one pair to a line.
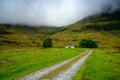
103,28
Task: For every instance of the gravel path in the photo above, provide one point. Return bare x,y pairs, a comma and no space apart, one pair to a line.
71,71
38,74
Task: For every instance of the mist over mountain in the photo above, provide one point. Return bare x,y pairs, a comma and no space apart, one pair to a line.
52,12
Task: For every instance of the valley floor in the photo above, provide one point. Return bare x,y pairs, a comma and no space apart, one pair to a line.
67,64
100,65
50,73
19,62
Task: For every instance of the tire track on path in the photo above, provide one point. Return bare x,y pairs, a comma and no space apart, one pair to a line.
42,72
72,70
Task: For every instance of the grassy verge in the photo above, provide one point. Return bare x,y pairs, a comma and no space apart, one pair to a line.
20,62
101,65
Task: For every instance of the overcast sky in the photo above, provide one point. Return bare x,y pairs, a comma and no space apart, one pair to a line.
52,12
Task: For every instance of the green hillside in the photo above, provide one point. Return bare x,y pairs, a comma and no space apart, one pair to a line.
104,29
12,36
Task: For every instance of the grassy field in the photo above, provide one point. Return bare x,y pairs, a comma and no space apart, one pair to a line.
15,63
101,65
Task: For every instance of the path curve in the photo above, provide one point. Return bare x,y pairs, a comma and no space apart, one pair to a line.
40,73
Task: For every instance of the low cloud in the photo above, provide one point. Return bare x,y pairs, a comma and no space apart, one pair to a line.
52,12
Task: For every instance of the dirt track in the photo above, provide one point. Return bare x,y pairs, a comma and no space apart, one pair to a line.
62,75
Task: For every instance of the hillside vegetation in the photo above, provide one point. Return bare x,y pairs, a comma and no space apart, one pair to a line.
12,36
103,29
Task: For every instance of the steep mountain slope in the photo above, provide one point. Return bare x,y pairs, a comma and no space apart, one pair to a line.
104,29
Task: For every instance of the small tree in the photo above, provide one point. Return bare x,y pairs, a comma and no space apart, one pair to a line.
47,42
87,43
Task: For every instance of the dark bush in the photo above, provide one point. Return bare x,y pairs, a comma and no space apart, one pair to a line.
87,43
47,42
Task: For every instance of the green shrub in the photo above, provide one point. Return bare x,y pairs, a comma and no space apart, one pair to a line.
47,43
87,43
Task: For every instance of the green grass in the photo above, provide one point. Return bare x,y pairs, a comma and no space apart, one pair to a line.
101,65
15,63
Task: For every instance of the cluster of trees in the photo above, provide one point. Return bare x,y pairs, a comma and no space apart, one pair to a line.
88,43
47,42
84,43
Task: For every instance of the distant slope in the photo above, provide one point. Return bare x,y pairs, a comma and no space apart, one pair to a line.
24,36
104,29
